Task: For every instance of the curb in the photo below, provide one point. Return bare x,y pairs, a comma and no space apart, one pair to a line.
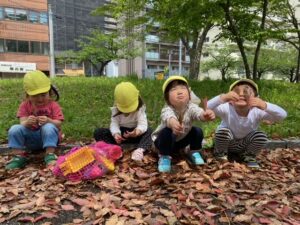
272,144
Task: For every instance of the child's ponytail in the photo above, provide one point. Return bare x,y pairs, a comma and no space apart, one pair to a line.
54,91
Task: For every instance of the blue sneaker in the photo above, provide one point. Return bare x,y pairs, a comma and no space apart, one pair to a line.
164,164
196,158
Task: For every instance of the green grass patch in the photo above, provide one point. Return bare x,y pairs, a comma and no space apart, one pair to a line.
86,103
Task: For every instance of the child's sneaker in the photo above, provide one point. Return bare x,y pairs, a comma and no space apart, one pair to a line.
138,154
50,159
195,158
164,164
251,162
18,162
221,157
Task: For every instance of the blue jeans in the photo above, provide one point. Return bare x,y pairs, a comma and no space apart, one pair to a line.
20,137
167,145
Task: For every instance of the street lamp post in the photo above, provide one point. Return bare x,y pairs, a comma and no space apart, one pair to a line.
51,44
170,55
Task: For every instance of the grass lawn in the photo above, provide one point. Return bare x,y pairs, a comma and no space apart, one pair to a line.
86,102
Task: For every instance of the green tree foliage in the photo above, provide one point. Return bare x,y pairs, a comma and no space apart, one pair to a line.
245,24
188,20
285,64
67,57
100,48
222,59
285,28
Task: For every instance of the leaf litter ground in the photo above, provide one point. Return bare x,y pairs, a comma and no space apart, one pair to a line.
216,193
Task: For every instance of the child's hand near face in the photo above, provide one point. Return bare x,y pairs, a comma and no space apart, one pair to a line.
118,138
132,134
175,126
257,102
208,115
230,96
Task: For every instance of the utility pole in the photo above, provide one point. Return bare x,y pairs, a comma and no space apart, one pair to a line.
51,44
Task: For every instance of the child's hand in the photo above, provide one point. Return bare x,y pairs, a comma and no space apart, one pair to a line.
118,138
31,120
176,127
257,102
230,96
132,134
209,115
42,120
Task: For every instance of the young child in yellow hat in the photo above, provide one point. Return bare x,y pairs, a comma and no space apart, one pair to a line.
40,121
176,130
128,121
241,111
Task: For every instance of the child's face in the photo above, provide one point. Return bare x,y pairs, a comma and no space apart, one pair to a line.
39,99
179,95
245,92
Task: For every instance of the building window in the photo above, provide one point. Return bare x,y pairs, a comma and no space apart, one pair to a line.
35,47
9,13
1,13
33,17
23,46
152,67
207,39
21,15
11,45
43,18
1,45
45,48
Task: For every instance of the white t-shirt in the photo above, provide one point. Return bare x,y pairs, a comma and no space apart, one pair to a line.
137,119
241,126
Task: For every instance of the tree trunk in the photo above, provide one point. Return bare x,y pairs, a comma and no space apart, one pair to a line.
297,76
238,39
223,74
195,51
102,67
194,64
262,27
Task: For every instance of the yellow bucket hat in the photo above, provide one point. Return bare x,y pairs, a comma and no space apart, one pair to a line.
172,78
36,82
126,97
244,80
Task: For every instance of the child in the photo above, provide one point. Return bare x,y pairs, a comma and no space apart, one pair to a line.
40,121
128,121
241,110
176,131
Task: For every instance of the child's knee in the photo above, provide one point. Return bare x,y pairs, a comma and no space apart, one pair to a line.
49,129
15,129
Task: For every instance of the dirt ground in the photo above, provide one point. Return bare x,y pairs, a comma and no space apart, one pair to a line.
216,193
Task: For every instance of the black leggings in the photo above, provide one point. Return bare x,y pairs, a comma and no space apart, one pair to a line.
167,145
143,141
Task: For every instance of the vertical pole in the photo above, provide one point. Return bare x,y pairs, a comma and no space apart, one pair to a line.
180,57
51,44
170,52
